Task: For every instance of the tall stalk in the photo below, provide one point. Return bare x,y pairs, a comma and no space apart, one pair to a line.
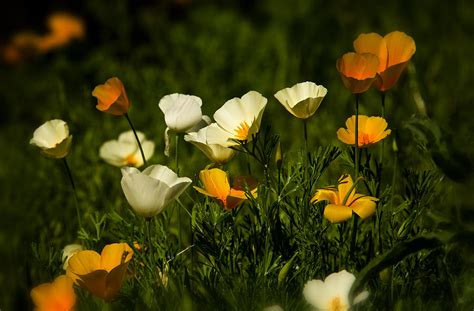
136,137
73,185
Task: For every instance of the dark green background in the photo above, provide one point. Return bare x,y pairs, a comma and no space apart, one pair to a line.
216,50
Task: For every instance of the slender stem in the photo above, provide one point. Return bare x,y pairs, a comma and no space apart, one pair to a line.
305,128
136,137
383,116
148,232
356,150
73,185
354,235
176,159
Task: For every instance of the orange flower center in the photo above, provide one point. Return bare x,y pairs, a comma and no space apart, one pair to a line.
131,160
242,131
336,305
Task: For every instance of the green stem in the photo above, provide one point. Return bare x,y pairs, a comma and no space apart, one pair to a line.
356,150
354,235
136,137
148,232
176,159
305,129
383,116
73,185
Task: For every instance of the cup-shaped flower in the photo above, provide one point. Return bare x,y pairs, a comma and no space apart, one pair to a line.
358,71
343,201
53,139
302,99
238,119
332,294
150,191
111,97
55,296
69,251
181,111
371,130
217,153
394,51
217,186
101,274
125,150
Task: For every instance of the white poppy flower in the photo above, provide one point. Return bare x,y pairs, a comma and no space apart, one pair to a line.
150,191
125,150
302,99
333,293
69,251
215,152
181,111
238,119
53,139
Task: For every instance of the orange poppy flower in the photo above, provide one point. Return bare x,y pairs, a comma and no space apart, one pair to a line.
111,97
102,275
56,296
341,203
63,28
394,51
217,186
358,71
371,130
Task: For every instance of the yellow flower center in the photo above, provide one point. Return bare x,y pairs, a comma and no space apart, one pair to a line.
336,305
242,131
131,160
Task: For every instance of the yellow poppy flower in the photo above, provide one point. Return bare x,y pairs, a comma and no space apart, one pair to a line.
217,186
358,71
341,203
371,130
111,97
56,296
393,51
102,275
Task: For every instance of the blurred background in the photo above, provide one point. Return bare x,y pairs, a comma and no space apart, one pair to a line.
216,50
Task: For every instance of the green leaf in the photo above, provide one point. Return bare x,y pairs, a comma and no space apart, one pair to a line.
396,254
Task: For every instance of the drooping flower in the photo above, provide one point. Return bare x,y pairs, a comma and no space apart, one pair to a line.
101,274
125,150
371,130
302,99
53,139
394,51
69,251
181,111
358,71
238,119
217,153
111,97
150,191
333,293
55,296
216,185
341,203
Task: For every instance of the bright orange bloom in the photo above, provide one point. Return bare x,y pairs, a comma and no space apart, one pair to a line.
216,185
340,208
394,51
371,130
63,28
358,71
102,275
111,97
56,296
